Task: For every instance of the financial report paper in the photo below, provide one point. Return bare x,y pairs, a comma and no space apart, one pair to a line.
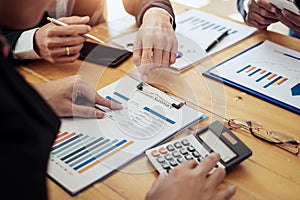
87,150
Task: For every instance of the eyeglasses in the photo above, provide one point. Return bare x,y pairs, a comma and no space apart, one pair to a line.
273,137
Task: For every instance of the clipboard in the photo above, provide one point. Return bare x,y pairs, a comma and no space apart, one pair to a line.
87,151
274,80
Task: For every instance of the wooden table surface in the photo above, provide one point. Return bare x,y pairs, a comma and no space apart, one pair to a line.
270,173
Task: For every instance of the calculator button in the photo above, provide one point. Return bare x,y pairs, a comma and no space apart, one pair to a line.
181,160
191,149
160,159
162,150
168,157
196,154
173,163
183,151
188,157
166,166
175,154
199,159
177,145
185,142
170,147
155,153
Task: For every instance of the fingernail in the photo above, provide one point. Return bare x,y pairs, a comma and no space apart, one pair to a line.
99,114
85,18
116,106
145,78
215,155
89,28
232,188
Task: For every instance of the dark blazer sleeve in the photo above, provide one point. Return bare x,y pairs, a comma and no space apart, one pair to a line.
241,9
298,3
146,4
12,36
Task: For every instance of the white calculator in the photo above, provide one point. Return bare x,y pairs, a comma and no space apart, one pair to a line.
212,138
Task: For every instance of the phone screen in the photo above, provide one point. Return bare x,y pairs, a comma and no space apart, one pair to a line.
103,55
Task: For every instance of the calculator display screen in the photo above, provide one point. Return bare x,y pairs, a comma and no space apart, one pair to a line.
217,145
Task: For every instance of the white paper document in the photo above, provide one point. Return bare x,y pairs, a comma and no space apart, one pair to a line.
88,150
266,70
195,31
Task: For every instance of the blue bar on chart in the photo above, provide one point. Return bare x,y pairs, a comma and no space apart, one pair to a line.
121,96
113,100
82,152
159,115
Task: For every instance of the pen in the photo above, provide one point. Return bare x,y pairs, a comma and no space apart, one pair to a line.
59,23
216,41
98,107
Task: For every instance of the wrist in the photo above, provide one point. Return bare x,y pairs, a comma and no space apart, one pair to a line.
160,15
35,46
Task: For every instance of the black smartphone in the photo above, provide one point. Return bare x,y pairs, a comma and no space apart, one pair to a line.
103,55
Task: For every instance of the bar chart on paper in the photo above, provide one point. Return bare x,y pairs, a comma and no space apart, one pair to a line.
266,70
77,153
260,75
203,28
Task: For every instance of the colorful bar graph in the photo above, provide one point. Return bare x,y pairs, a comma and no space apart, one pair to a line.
82,152
261,75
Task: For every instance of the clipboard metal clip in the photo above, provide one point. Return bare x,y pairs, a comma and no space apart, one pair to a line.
140,87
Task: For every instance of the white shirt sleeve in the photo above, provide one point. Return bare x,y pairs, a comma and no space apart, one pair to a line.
24,46
246,6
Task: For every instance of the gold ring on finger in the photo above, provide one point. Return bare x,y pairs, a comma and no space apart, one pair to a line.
67,51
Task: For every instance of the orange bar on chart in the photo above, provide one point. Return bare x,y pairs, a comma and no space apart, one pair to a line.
280,81
250,69
262,71
271,76
63,139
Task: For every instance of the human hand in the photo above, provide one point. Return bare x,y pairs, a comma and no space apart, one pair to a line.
72,96
191,181
51,40
261,14
291,20
155,44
